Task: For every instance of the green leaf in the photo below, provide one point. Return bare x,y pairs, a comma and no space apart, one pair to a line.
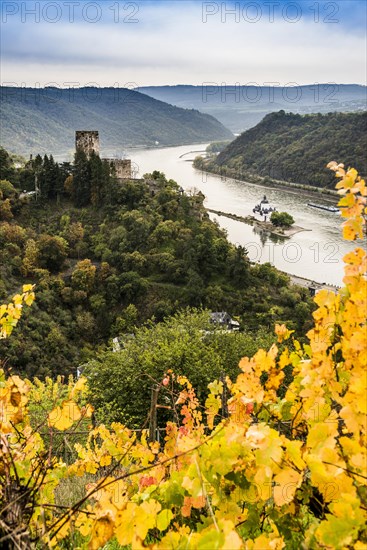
213,540
163,519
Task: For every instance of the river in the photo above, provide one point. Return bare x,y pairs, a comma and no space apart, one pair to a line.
315,254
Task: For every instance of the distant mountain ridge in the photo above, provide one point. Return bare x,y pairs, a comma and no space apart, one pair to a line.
295,148
242,107
44,120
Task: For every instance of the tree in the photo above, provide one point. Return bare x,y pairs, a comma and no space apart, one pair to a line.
5,210
12,233
238,265
131,193
46,177
132,286
127,320
81,179
175,343
85,323
281,219
186,342
7,170
138,229
7,189
7,192
30,260
97,183
74,234
83,277
53,251
69,185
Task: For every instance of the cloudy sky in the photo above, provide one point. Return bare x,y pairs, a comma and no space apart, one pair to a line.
111,42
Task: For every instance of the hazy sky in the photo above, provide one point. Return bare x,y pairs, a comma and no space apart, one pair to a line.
183,42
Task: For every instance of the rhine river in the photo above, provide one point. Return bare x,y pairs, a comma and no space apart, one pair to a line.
315,254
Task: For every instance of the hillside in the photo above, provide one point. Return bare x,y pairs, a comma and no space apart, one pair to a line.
295,148
242,107
44,120
106,256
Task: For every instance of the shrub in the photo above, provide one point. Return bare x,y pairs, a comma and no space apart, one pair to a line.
281,219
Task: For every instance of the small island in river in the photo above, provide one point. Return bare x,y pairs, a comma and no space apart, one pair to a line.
265,225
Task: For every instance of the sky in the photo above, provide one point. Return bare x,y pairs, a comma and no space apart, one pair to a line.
133,44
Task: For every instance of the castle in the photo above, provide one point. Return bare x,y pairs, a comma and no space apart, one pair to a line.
88,141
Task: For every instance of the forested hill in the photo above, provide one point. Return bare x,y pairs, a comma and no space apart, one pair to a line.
295,148
107,256
44,120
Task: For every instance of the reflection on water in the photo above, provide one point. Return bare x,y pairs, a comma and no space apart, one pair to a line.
316,254
266,236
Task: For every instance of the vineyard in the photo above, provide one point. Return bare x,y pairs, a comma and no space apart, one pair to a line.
264,468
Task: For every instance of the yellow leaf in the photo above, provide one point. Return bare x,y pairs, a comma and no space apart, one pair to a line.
295,454
63,418
105,460
101,533
287,482
72,410
84,523
17,299
282,332
131,522
27,288
87,411
79,387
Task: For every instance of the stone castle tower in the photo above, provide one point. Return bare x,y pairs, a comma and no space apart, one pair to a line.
87,141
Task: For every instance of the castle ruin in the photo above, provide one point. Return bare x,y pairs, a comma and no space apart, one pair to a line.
121,168
88,141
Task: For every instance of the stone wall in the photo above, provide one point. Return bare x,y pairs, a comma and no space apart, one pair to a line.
122,168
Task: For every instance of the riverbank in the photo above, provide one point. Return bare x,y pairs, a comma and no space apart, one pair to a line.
266,226
329,195
310,284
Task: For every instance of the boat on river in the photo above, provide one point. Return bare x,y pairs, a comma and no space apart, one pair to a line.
324,207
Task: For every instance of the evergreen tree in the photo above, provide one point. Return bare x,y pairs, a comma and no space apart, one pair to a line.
6,165
37,163
82,179
96,179
43,177
52,174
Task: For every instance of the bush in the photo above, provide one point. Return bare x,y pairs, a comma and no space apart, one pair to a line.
53,251
281,219
7,189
